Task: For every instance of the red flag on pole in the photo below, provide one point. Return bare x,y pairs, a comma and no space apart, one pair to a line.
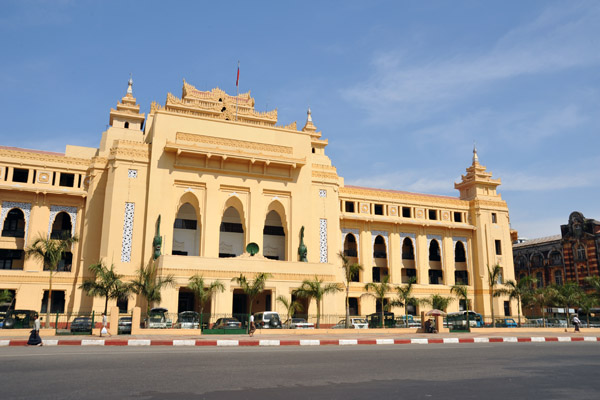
237,81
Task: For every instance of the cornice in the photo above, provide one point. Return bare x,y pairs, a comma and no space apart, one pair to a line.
399,196
44,158
243,144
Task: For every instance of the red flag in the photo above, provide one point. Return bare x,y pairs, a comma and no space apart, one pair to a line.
237,81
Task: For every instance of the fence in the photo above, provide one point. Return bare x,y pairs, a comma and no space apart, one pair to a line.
80,323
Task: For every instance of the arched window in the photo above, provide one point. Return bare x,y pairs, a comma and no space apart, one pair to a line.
379,250
408,251
556,258
459,252
350,247
537,260
126,125
273,237
61,227
186,233
14,224
521,262
581,252
434,251
231,241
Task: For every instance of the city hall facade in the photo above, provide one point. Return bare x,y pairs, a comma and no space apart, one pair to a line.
208,175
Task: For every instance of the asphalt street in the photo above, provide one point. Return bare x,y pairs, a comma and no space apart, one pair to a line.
448,371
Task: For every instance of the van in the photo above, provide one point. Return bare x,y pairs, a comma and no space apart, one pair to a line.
267,320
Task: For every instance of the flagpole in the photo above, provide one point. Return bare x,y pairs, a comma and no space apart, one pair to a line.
237,85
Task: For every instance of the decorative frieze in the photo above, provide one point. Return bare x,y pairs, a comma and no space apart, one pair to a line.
323,241
127,232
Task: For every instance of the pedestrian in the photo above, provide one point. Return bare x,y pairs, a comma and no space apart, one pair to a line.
576,323
34,337
252,328
104,329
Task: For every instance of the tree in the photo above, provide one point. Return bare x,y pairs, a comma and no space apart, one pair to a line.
438,302
585,303
405,298
106,283
594,283
380,290
494,277
252,288
542,297
49,252
149,285
566,295
350,271
290,306
203,292
315,289
462,292
6,296
517,290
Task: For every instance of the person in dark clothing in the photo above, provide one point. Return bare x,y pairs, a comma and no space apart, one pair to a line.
34,337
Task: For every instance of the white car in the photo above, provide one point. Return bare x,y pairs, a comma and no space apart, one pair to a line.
267,320
298,323
356,323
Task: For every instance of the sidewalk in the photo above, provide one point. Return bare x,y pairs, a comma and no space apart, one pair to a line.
313,338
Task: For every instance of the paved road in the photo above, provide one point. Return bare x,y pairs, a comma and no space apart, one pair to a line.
448,371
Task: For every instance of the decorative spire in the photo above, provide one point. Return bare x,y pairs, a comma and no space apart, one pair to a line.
129,87
475,158
309,117
309,126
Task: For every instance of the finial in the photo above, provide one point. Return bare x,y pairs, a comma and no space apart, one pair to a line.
309,117
130,83
475,158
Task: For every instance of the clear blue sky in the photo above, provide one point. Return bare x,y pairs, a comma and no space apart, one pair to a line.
401,89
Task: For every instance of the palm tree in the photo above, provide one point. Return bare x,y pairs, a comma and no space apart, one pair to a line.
567,295
585,303
350,271
106,283
252,288
517,290
6,296
203,292
149,286
405,298
315,289
290,306
494,276
594,283
50,252
438,302
542,297
380,290
462,292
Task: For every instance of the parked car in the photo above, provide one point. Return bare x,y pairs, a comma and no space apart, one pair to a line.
19,319
125,326
505,323
355,323
374,320
81,324
267,320
412,322
188,320
158,318
227,323
556,323
298,323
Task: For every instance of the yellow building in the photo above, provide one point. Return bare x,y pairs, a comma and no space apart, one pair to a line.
213,174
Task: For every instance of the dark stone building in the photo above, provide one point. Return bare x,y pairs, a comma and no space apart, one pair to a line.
569,257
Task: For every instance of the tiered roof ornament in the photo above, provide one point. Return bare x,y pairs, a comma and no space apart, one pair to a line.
309,126
477,182
127,110
217,104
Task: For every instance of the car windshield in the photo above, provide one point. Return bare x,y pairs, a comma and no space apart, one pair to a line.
359,321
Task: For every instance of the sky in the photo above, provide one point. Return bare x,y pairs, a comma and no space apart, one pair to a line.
401,89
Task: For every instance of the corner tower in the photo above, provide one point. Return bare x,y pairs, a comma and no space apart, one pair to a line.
488,214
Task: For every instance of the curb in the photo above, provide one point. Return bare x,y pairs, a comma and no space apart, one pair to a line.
301,342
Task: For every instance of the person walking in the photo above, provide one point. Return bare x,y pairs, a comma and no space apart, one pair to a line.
34,337
252,328
576,323
104,329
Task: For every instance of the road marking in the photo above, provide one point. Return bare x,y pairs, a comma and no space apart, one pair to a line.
419,341
481,340
348,342
184,342
590,339
564,339
510,339
385,341
228,342
138,342
450,340
310,342
265,342
92,342
538,339
4,342
50,342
